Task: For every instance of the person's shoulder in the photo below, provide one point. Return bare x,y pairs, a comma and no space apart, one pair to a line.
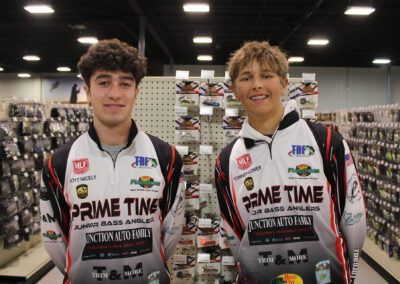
227,150
60,155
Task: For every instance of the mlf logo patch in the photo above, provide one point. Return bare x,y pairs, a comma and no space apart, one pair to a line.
81,166
244,162
82,191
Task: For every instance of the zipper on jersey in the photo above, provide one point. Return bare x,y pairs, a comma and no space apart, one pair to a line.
270,144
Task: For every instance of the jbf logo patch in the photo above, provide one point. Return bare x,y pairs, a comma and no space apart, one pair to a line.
144,162
82,191
145,182
81,166
301,151
303,170
244,162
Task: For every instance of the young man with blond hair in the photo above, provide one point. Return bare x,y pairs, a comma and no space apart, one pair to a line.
285,185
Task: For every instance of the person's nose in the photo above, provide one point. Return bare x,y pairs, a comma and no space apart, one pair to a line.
114,92
257,83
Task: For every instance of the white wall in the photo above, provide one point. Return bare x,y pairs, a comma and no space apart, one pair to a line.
12,86
338,87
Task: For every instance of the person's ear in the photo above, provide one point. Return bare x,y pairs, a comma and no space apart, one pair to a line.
88,94
235,92
284,85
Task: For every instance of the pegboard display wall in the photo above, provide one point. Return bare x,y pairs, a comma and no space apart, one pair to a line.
154,113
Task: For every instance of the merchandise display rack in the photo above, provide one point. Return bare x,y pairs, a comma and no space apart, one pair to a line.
373,135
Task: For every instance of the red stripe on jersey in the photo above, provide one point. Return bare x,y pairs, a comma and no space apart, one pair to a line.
226,221
234,199
328,143
54,176
172,162
69,237
339,247
161,244
219,168
66,282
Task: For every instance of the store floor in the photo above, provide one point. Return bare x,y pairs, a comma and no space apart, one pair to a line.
366,274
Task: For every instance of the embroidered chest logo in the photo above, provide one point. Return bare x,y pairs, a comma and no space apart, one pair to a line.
144,162
303,170
81,166
145,182
301,151
244,162
82,191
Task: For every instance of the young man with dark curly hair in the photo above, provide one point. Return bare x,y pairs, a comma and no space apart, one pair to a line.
114,194
290,212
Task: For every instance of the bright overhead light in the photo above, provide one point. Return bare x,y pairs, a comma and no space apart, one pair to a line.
317,41
202,39
31,58
1,69
24,75
381,61
39,9
63,69
196,8
88,39
204,58
359,10
296,59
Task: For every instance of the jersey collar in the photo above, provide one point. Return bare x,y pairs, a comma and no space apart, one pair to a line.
132,134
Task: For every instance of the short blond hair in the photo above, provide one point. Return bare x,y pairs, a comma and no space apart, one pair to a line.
263,53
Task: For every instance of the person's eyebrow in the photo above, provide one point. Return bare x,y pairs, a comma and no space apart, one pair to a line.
101,76
244,73
127,78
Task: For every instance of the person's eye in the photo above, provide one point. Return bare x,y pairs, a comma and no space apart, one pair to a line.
267,76
126,85
103,83
244,79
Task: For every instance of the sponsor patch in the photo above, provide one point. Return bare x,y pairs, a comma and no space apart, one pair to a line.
80,166
249,183
145,182
301,151
51,235
244,162
154,277
323,271
353,193
283,229
82,191
144,162
303,170
118,244
287,278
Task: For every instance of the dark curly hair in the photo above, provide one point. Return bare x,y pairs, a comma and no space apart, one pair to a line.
112,55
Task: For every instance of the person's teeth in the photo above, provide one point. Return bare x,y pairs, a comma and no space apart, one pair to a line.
258,98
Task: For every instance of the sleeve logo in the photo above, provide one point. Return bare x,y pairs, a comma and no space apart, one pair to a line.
244,162
81,166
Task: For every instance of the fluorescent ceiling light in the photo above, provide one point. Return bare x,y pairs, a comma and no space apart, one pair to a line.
39,9
359,10
381,61
202,39
63,69
196,8
317,41
204,58
24,75
1,69
296,59
31,58
88,39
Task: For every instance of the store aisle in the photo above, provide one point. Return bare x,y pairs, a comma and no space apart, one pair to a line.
365,275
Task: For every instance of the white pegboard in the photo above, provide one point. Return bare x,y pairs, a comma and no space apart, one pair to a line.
154,112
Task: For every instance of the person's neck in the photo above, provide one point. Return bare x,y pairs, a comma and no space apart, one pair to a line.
267,124
112,135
